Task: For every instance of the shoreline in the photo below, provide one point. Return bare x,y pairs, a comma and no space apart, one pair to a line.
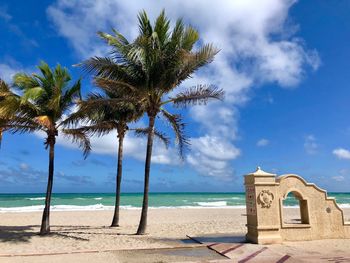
100,207
89,231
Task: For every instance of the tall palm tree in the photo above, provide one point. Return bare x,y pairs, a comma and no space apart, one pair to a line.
150,68
168,59
103,118
45,102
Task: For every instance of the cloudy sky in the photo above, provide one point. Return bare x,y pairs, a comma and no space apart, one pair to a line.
283,64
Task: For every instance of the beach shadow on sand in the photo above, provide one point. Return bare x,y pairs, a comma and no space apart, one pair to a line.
23,234
18,234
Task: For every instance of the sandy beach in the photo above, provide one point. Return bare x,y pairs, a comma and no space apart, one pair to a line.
88,232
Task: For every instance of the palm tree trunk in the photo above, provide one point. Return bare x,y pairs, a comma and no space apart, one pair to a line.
45,222
143,221
115,221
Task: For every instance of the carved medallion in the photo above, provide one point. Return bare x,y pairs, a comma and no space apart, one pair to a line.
265,198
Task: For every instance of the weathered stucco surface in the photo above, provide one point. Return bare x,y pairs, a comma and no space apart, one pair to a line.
320,216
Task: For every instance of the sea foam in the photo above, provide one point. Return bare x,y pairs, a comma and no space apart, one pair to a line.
36,198
100,207
213,204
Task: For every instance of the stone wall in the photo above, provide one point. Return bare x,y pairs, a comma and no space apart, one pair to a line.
320,216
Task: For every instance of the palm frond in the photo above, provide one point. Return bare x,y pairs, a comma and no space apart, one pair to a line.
197,95
190,63
17,124
189,38
5,89
45,71
177,34
161,27
101,66
71,95
24,81
114,86
74,118
143,132
121,39
101,128
178,127
79,137
119,43
9,106
145,27
32,93
98,100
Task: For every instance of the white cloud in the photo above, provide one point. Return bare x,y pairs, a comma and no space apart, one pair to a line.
262,142
24,166
342,174
342,153
338,178
310,144
224,22
7,72
257,41
9,67
211,155
133,146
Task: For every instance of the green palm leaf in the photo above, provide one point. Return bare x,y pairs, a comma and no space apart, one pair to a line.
143,132
197,96
178,127
79,137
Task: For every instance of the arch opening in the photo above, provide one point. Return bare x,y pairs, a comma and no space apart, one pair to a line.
295,209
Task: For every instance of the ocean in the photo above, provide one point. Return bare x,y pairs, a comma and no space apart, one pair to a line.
105,201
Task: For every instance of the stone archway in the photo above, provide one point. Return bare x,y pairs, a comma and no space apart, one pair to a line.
321,217
302,206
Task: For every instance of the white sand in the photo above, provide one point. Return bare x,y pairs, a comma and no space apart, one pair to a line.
88,230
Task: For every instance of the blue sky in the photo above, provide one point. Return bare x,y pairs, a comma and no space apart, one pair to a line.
284,66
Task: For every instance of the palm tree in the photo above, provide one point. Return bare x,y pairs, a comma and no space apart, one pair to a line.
168,60
45,102
151,67
102,119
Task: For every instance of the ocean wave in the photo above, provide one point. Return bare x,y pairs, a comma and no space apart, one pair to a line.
213,204
98,198
226,198
200,207
100,207
35,198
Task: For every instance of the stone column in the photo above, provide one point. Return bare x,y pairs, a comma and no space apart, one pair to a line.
263,220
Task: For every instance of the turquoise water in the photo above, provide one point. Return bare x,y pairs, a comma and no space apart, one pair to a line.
105,201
